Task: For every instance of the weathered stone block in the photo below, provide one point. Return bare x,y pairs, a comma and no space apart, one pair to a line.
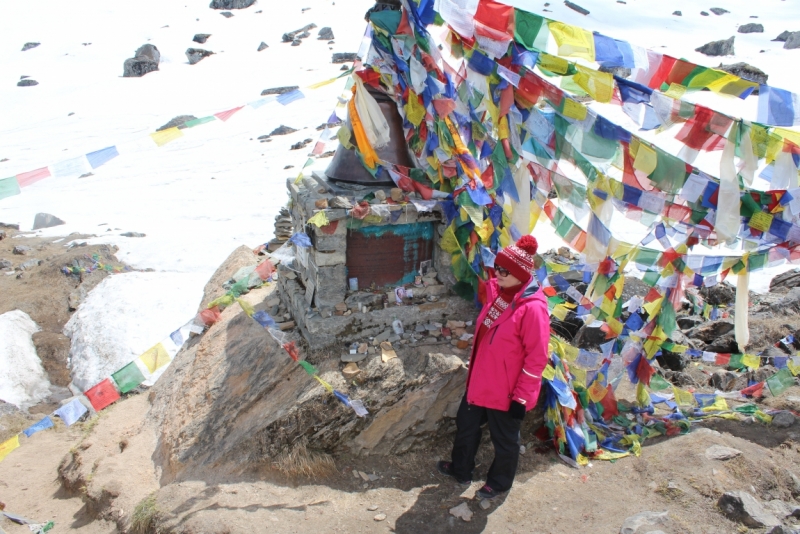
327,258
331,284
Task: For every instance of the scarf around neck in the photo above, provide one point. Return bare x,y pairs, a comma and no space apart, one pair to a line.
503,300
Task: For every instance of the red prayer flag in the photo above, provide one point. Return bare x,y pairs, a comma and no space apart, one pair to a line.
225,115
102,394
492,15
644,371
609,403
210,315
661,73
265,269
31,177
756,390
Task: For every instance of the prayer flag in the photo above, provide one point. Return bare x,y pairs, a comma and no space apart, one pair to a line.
71,412
9,187
225,115
778,107
31,177
7,446
102,156
43,424
155,358
572,41
129,377
291,96
102,394
163,137
780,382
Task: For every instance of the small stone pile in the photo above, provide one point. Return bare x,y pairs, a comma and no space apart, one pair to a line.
283,230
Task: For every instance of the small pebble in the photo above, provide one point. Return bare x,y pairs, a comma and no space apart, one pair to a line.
372,507
380,517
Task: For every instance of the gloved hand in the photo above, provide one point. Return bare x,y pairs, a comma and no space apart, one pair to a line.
517,410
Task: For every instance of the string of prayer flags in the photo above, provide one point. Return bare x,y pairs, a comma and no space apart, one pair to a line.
128,378
155,358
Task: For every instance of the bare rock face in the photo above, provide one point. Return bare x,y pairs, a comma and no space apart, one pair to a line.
792,41
231,4
45,220
28,46
746,71
144,60
751,28
179,122
196,55
718,48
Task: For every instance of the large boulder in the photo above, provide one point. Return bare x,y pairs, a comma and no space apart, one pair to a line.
28,46
231,4
45,220
751,28
788,279
743,508
746,71
201,37
718,48
144,60
792,41
179,122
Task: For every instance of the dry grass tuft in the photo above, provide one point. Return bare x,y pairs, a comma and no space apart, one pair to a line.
300,462
765,331
145,516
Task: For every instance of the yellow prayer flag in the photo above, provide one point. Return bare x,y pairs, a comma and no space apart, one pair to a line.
646,159
7,446
751,360
652,308
575,110
597,391
579,375
549,372
608,306
719,405
155,358
247,308
615,325
675,91
319,219
642,396
475,214
560,312
449,243
485,231
599,85
505,237
553,64
572,41
606,455
571,353
683,397
165,136
415,111
793,367
761,221
324,384
322,83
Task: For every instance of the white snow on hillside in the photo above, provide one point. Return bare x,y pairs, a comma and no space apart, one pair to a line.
23,381
217,187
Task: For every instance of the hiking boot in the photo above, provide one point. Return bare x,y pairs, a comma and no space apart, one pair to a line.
487,492
446,468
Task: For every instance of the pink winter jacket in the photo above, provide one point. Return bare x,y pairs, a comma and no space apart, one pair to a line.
508,363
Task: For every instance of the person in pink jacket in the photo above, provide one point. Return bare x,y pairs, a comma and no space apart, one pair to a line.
509,354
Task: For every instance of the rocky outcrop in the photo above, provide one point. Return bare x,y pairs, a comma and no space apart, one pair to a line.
344,57
781,38
144,60
27,82
28,46
718,10
743,508
279,90
179,122
231,4
792,41
45,220
325,34
196,55
717,48
789,279
262,46
201,37
751,28
302,33
747,72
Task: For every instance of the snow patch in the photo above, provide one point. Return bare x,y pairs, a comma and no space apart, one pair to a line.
126,315
23,381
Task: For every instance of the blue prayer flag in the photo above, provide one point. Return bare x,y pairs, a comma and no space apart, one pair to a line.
41,425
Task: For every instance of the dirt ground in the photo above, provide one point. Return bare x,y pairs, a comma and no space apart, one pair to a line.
91,477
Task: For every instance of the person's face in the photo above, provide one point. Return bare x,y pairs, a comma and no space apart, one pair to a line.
505,279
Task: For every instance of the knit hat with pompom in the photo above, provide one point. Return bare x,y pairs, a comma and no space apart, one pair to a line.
517,259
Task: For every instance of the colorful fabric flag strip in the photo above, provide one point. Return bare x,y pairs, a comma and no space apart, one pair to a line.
7,446
9,187
43,424
102,394
778,107
102,156
155,358
129,377
163,137
225,115
71,412
29,178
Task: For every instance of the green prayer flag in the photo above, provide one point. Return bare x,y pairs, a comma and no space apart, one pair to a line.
9,187
310,369
748,409
128,378
780,382
666,318
530,30
670,172
735,362
658,383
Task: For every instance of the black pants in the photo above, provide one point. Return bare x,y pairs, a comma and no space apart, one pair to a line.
504,431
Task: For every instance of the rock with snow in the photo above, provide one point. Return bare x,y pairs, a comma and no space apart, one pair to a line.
231,4
133,234
196,55
751,28
124,316
783,36
27,82
28,46
743,508
677,13
201,37
279,90
325,34
177,122
144,60
226,14
344,57
717,48
746,71
302,33
45,220
792,41
282,130
719,11
576,7
262,46
23,381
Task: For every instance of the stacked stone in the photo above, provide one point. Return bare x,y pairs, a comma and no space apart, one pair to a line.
283,230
